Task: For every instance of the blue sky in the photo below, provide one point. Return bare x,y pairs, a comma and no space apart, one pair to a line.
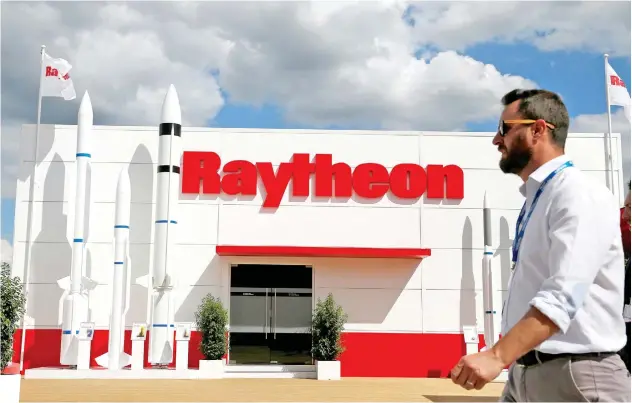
578,76
571,64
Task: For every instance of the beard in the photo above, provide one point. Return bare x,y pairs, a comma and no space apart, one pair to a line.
518,158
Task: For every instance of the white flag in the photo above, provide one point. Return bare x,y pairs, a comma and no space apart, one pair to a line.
618,93
56,81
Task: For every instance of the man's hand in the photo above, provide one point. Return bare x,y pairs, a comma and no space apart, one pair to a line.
476,370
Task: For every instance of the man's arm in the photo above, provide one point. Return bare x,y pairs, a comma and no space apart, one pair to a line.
533,329
580,230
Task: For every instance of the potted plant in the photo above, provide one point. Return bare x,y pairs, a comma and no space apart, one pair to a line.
12,300
211,319
328,321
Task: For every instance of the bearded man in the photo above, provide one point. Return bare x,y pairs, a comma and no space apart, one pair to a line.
626,351
562,326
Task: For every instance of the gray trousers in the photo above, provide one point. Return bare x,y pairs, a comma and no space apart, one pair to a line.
603,379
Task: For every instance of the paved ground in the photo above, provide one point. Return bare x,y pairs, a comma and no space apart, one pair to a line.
254,390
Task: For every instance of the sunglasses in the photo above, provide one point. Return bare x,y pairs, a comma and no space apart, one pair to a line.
505,125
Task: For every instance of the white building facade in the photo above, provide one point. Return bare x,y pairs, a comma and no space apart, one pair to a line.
406,269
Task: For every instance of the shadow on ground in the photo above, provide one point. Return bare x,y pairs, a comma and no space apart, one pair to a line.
252,390
461,398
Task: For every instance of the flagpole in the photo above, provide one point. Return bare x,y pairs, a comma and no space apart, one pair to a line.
610,156
29,228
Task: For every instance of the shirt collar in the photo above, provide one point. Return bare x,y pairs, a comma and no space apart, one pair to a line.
539,175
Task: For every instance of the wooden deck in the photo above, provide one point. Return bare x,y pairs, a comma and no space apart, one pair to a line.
254,390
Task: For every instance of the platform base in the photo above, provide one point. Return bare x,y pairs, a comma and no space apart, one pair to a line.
10,388
230,371
102,373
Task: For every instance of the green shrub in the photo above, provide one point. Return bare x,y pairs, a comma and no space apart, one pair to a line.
328,322
12,299
211,320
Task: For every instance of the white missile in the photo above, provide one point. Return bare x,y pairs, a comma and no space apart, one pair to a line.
75,306
116,358
162,298
488,300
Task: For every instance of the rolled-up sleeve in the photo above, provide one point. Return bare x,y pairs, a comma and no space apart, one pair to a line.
581,234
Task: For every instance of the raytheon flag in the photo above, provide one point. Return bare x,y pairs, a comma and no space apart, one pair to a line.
56,81
618,93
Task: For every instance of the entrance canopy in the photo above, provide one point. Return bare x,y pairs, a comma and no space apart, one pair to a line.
321,251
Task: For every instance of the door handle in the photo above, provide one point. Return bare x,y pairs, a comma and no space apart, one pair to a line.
266,316
275,298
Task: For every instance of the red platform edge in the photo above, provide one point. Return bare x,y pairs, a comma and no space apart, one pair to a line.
321,251
11,369
408,355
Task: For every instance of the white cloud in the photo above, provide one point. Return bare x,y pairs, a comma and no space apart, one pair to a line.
9,157
6,251
126,70
598,123
552,25
322,63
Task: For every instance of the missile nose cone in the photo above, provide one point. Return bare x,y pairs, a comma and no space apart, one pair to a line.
85,108
123,187
171,107
485,201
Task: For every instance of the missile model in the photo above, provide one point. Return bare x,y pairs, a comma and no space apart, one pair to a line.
488,300
162,299
75,306
116,358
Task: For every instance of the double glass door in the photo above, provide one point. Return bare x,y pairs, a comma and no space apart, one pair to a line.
270,324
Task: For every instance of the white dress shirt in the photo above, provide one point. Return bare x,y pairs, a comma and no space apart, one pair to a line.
570,264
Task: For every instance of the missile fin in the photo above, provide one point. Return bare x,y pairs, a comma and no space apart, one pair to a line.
88,284
143,280
64,283
103,360
125,360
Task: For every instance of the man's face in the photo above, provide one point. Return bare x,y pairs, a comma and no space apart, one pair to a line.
515,149
626,209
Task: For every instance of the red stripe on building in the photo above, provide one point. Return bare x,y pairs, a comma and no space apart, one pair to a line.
320,251
412,355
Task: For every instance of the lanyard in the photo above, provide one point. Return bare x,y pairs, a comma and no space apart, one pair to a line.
520,228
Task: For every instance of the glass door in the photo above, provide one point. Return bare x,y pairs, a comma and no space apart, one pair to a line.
270,314
291,340
250,320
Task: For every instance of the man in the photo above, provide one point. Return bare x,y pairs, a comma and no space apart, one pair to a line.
626,353
562,325
625,232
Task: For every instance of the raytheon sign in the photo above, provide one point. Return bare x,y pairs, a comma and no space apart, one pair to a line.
201,174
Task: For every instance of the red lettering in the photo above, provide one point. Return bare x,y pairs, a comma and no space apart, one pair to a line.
275,185
51,72
368,180
438,175
240,178
616,81
302,172
200,167
408,181
338,175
